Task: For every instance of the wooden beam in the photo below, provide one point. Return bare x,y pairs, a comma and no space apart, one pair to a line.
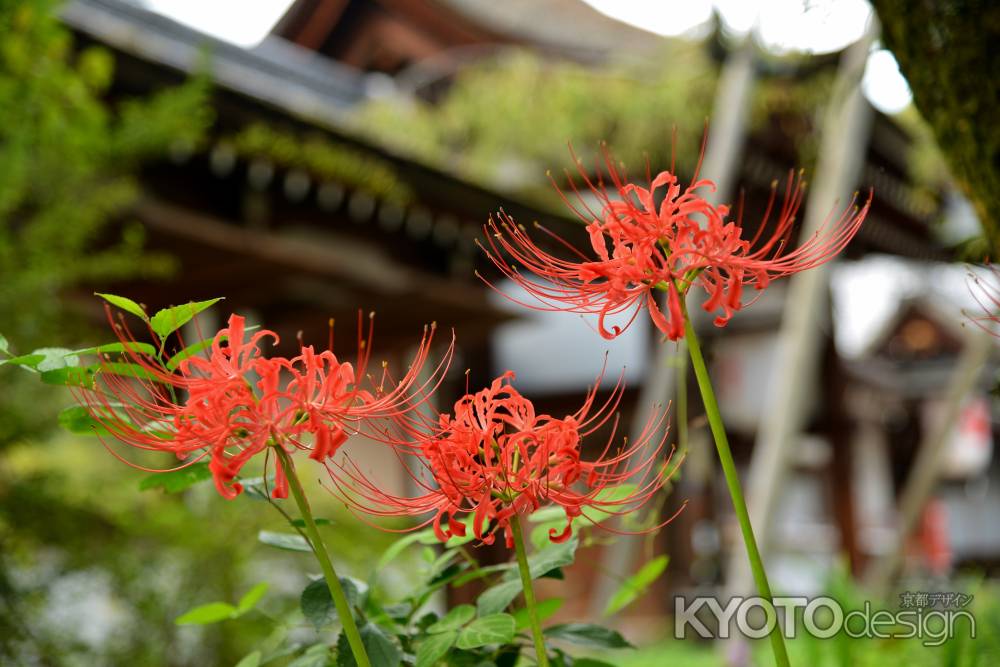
450,26
839,477
321,23
845,134
333,256
309,22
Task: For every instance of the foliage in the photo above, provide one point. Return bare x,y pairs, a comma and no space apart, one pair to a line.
69,151
77,538
186,563
503,122
636,585
68,159
947,52
410,626
392,627
321,158
956,650
794,103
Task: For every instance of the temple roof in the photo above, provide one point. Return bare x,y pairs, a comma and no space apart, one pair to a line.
287,86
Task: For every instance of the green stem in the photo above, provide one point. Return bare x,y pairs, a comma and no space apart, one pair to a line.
682,402
330,574
529,592
733,483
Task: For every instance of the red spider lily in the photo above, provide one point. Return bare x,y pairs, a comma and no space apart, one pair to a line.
986,293
234,403
639,247
495,458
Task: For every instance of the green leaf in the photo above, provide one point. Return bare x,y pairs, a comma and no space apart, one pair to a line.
176,481
546,609
607,495
381,650
396,548
636,585
197,348
590,662
554,517
4,345
250,660
53,358
552,557
355,589
108,348
188,352
587,634
71,376
301,523
443,566
286,541
454,619
26,360
254,487
481,573
496,598
76,419
213,612
169,320
83,376
275,645
427,536
399,611
317,655
548,514
126,370
434,648
493,629
317,604
540,534
546,519
124,303
250,600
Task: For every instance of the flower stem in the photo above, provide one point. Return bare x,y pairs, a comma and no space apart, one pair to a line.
682,402
529,592
733,483
330,574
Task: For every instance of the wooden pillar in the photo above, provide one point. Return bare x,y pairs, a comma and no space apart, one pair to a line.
871,471
841,471
926,468
845,133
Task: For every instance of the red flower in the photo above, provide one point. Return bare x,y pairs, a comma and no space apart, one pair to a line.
233,403
638,248
495,458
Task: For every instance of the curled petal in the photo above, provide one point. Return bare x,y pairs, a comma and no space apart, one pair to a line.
498,457
637,246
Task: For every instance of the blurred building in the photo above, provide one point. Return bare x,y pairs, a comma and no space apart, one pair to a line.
896,390
294,216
